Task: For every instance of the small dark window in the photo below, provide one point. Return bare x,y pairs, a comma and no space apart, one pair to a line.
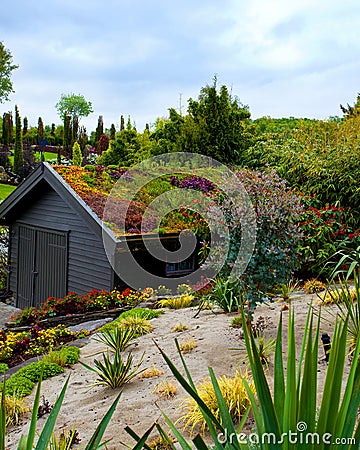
180,268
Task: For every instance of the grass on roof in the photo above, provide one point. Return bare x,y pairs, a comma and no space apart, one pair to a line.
5,190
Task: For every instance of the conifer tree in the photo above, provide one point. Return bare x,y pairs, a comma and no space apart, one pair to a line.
18,147
25,125
40,130
112,132
99,130
77,155
7,129
67,135
122,123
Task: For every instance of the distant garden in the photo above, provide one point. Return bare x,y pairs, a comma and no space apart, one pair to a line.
314,165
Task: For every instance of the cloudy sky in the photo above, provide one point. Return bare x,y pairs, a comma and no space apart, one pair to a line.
281,57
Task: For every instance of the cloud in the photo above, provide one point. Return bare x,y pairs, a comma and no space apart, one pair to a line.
280,57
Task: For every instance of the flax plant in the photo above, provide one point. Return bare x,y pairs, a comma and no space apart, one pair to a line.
287,414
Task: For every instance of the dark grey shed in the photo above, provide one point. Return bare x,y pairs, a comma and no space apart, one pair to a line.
56,241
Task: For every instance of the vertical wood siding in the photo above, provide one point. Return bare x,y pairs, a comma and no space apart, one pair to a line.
88,266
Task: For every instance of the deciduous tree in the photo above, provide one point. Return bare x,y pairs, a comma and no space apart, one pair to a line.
6,68
74,107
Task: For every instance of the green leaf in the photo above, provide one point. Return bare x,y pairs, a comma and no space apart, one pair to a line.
211,420
32,430
279,383
226,419
48,429
140,441
290,403
181,440
95,439
3,416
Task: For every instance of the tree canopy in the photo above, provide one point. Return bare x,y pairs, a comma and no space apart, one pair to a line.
351,111
6,67
74,106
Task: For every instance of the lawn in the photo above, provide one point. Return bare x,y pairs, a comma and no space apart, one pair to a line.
5,190
47,155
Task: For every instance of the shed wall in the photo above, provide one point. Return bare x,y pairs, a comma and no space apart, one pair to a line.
88,266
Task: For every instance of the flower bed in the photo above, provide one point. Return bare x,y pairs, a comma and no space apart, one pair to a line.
73,308
17,347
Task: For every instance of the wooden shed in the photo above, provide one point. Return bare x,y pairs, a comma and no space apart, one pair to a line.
56,242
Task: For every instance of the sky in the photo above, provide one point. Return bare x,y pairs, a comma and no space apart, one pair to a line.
282,58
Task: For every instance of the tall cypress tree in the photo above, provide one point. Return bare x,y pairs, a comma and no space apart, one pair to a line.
112,132
18,147
7,129
40,130
122,123
99,130
25,125
67,135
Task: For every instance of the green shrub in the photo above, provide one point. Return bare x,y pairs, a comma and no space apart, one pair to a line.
65,357
275,256
3,367
34,370
142,313
225,294
19,386
77,155
313,286
184,301
89,168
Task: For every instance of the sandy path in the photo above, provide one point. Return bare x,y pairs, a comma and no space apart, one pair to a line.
85,405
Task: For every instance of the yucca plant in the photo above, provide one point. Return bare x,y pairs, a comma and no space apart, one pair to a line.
288,416
115,371
27,442
118,339
265,347
286,289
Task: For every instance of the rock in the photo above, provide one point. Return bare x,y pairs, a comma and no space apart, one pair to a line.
91,325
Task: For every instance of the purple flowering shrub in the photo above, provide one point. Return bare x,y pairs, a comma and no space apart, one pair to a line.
278,210
194,182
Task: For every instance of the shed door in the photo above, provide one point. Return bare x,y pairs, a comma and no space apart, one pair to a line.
42,265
